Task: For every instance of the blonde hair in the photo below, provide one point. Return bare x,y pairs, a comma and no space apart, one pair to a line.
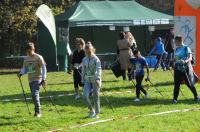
90,46
131,38
81,41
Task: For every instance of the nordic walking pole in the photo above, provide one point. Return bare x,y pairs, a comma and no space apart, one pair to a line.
154,87
181,92
111,106
24,95
51,101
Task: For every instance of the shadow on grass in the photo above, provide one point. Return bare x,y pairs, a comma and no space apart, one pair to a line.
52,84
117,88
168,83
28,95
9,73
10,121
116,101
109,81
131,86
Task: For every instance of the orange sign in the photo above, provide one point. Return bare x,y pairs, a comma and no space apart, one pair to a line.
182,8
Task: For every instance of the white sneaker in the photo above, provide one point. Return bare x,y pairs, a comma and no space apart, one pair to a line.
146,96
77,96
96,116
91,114
136,100
38,115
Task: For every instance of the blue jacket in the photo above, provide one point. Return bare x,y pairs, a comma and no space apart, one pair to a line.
158,48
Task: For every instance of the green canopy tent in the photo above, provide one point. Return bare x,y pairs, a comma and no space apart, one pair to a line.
91,20
106,13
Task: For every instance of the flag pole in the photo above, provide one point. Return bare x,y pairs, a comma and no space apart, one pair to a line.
57,65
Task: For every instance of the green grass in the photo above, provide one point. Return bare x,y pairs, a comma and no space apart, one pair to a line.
14,115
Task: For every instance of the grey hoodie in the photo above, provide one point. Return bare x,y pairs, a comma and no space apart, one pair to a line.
91,69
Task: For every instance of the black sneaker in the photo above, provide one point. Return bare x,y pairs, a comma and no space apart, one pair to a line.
197,99
124,78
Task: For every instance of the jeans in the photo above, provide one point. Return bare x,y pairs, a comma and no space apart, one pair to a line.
92,87
35,87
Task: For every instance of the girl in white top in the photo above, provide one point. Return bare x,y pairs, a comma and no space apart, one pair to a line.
91,77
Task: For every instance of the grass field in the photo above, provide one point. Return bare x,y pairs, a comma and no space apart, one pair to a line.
128,115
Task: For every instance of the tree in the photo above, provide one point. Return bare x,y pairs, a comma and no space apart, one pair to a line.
18,22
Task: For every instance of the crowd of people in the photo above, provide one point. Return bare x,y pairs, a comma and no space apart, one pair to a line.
87,68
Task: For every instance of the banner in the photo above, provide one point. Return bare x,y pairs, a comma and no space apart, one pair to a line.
46,16
186,27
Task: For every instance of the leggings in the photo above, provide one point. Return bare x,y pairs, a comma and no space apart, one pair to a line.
139,86
178,78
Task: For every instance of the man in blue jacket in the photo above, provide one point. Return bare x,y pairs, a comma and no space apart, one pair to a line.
160,52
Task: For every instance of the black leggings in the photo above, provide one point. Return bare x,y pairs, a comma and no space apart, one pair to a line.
139,86
178,78
77,78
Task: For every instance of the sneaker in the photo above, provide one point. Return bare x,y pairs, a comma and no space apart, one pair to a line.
69,72
96,116
146,96
91,114
77,96
90,94
38,115
197,99
174,101
129,77
124,78
136,100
